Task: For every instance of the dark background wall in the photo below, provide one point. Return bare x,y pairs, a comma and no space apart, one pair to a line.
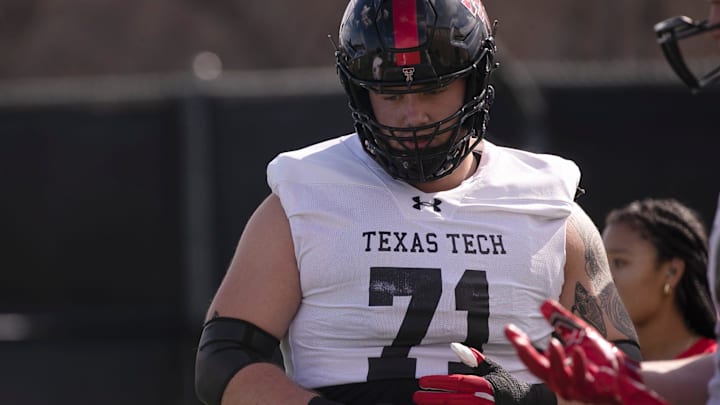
119,214
633,142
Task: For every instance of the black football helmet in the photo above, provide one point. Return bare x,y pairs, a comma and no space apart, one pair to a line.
407,46
669,32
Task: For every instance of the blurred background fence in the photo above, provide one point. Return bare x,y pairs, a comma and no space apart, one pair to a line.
124,185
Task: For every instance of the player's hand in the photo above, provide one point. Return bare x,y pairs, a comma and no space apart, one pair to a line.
456,389
586,367
496,386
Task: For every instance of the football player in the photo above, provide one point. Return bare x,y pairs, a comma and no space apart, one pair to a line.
377,249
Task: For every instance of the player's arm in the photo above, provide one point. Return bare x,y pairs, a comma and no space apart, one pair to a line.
589,291
262,289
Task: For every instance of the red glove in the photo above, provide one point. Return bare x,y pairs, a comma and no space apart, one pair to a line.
457,389
587,368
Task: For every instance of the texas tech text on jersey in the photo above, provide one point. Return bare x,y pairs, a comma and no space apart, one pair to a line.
399,241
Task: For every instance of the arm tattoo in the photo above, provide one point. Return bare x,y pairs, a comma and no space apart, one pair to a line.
588,308
595,262
617,312
598,270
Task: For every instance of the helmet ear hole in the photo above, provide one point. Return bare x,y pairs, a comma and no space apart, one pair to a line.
358,97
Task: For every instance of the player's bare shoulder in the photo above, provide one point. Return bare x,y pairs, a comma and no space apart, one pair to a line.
588,279
262,284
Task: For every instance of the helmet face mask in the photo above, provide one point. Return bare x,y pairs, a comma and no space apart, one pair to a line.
407,153
416,46
669,33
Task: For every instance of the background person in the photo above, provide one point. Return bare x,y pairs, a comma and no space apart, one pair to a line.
657,249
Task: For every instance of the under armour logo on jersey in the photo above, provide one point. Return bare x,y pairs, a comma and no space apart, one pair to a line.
409,72
435,204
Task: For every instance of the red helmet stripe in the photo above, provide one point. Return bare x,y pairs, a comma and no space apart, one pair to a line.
406,31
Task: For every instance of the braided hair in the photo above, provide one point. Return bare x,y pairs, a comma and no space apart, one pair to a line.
676,231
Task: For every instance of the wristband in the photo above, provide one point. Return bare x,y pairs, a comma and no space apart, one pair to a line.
508,390
541,394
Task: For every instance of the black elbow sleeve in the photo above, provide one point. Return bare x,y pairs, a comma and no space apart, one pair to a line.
630,348
226,346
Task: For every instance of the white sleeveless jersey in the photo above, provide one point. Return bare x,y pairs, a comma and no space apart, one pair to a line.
391,275
714,279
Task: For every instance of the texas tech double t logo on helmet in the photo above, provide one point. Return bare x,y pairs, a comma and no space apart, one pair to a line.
407,46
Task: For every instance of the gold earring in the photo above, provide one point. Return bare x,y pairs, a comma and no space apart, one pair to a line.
666,289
